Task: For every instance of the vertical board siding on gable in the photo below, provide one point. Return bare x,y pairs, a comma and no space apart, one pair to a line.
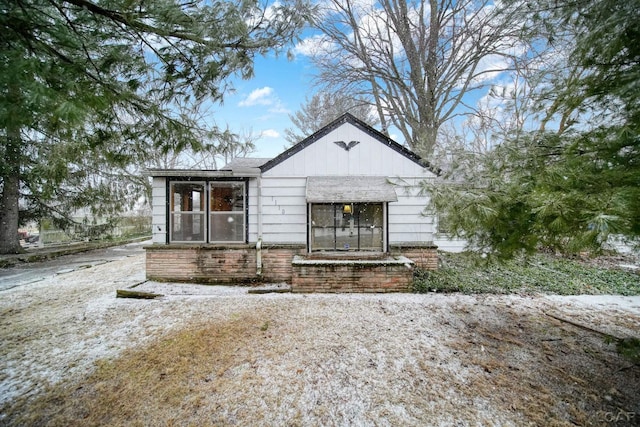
159,224
369,158
284,210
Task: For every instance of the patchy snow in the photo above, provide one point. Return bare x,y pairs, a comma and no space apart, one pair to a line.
599,302
187,289
354,358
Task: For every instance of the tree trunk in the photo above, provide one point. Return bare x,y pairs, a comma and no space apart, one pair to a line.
9,214
10,187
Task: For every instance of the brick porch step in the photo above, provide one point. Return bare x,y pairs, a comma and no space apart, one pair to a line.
332,274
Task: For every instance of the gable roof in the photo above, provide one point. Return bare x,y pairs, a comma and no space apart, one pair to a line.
346,118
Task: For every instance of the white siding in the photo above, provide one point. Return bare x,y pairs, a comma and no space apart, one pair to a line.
407,222
284,203
159,210
284,210
450,244
284,217
369,158
252,204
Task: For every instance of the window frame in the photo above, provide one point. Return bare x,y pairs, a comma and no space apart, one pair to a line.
336,206
208,184
191,213
211,213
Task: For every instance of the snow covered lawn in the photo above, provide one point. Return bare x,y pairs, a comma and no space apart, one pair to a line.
73,354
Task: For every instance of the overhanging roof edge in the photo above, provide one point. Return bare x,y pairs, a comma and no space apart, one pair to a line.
321,189
170,173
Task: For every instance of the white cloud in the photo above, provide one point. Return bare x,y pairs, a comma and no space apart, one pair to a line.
279,108
313,45
265,97
489,69
270,133
262,96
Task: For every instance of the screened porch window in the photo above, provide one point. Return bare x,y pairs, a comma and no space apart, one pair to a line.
227,212
187,212
347,227
212,212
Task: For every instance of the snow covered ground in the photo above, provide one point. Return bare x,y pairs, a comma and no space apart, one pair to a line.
360,358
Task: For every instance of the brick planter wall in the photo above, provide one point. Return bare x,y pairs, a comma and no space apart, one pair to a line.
424,257
276,262
219,264
334,275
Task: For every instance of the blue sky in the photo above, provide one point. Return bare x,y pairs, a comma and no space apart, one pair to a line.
262,105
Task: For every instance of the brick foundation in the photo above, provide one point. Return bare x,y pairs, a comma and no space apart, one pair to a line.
219,264
236,264
351,275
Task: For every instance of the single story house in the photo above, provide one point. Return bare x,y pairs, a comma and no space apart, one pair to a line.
340,211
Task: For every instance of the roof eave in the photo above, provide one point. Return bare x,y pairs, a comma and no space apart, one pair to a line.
195,173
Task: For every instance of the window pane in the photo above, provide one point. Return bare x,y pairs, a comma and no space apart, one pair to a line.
187,197
227,196
227,227
322,239
187,227
370,214
370,239
227,212
346,239
359,228
322,215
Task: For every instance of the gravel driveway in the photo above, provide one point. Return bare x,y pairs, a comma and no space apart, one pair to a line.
399,359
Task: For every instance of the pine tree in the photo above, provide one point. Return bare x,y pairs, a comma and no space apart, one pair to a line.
88,89
570,188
